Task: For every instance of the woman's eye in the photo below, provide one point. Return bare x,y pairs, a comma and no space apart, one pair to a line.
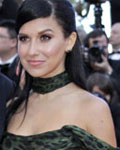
45,37
23,38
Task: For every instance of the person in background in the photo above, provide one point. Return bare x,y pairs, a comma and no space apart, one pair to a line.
114,38
54,102
115,110
99,58
8,9
115,11
101,85
7,87
8,45
97,44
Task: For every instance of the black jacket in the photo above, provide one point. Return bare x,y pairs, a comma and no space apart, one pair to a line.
115,10
9,9
115,110
6,92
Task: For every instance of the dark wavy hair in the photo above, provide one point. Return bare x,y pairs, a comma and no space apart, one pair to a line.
64,14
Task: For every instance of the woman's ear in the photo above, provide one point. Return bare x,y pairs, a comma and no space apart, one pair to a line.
71,41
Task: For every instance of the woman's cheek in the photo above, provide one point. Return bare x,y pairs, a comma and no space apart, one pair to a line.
22,50
50,52
55,49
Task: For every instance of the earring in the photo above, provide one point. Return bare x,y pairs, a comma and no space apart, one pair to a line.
68,51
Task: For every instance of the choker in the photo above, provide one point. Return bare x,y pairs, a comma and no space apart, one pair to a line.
46,85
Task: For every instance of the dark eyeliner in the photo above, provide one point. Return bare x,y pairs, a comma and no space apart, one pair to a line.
22,37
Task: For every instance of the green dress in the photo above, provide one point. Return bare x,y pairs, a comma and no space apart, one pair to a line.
69,137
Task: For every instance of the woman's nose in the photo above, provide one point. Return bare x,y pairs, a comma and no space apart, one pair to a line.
33,48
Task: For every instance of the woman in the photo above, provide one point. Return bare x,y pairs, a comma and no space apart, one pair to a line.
54,111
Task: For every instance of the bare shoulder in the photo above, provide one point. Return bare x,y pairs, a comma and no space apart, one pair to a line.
98,118
89,105
87,100
92,114
92,102
95,107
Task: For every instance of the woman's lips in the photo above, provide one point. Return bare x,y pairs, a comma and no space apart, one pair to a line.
35,62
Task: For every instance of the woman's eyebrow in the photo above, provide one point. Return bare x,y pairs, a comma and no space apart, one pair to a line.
46,30
40,32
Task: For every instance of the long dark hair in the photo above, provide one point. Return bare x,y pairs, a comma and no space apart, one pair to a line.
64,14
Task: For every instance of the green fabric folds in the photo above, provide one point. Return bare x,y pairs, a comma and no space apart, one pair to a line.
69,137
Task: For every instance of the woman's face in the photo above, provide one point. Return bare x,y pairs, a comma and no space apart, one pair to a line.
42,47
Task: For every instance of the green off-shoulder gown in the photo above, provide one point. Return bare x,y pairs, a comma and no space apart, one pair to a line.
69,137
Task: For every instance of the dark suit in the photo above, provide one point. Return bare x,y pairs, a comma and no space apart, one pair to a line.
10,69
115,10
115,110
6,92
9,9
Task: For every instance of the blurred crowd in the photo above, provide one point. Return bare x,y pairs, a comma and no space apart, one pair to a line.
102,68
